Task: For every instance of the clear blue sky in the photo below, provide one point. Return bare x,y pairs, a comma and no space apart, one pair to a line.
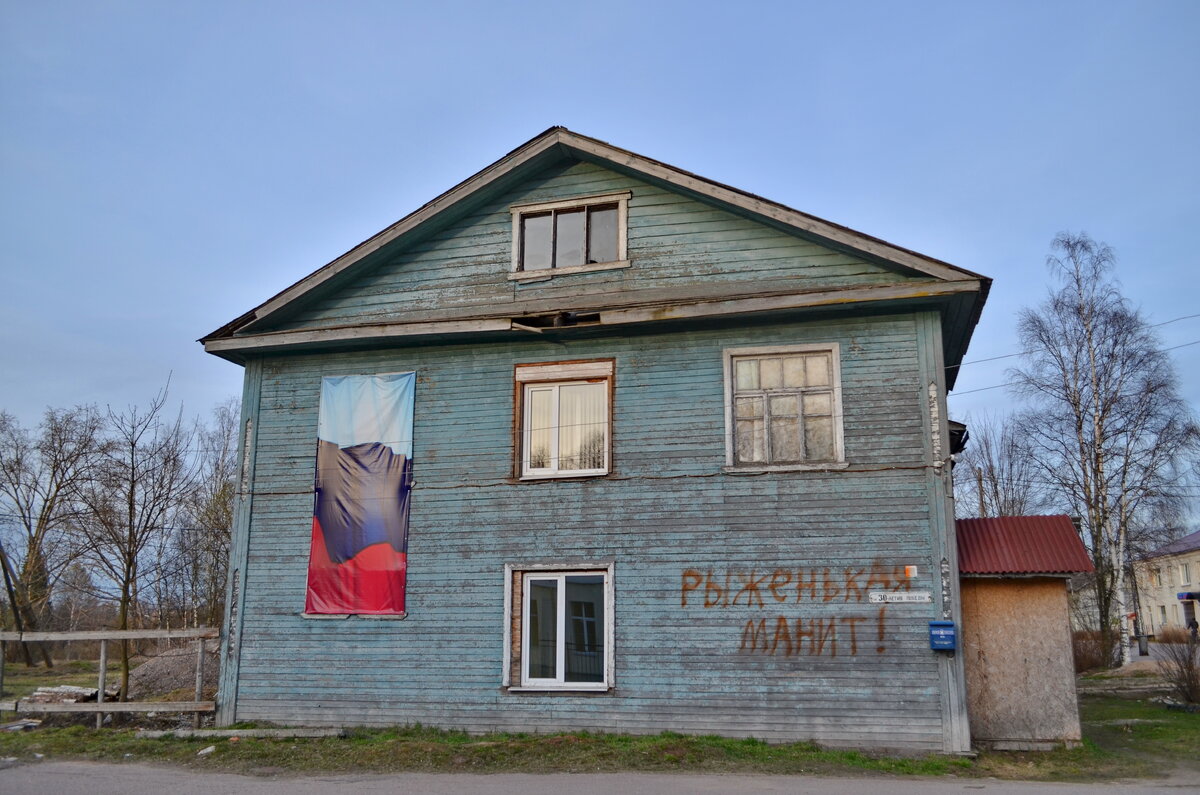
166,166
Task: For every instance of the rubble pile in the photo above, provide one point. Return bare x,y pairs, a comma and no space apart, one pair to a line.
173,670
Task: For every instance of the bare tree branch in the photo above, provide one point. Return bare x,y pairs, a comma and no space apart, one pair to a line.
1108,428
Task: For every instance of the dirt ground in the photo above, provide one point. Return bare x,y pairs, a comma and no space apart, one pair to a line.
174,670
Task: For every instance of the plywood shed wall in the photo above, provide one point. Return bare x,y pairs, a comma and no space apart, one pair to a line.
1018,658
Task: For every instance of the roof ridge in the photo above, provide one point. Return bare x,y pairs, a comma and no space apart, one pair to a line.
583,145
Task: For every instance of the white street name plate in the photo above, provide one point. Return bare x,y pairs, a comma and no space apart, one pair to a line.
885,597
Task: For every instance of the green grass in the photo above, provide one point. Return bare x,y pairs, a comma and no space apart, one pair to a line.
432,750
1122,738
1110,751
1166,735
20,681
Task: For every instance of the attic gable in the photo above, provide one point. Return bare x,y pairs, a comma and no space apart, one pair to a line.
714,245
679,248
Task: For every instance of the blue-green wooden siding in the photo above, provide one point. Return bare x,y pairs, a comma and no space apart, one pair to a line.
666,507
679,247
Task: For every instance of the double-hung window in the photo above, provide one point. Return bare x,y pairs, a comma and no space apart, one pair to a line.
572,236
564,412
560,628
783,406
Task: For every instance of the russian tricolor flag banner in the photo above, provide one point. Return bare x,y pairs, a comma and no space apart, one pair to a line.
359,554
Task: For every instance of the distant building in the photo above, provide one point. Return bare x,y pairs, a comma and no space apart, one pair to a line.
1168,581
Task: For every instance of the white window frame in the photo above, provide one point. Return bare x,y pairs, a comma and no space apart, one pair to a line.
1185,574
839,461
620,199
529,377
561,572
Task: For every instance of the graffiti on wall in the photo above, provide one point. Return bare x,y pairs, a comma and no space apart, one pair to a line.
861,629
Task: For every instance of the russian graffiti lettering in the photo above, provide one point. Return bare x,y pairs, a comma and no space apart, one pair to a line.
775,588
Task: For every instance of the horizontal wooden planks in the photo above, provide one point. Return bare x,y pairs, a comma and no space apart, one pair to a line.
668,508
675,243
112,706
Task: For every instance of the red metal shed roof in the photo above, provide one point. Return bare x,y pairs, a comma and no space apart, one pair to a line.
1020,545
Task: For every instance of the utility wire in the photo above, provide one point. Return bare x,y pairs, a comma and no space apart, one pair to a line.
1011,383
1022,353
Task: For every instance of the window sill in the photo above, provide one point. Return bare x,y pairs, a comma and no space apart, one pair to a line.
567,690
591,473
828,466
344,616
546,274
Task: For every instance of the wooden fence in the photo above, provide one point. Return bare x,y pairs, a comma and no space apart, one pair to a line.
100,706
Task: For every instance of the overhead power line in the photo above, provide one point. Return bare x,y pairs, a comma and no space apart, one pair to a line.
1022,353
1010,383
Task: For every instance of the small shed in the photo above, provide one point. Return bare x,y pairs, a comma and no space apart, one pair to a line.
1016,633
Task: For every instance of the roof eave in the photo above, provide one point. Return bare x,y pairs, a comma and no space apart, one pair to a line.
365,334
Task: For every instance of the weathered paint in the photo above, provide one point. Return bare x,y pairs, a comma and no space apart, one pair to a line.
941,490
238,545
1019,666
667,508
679,248
741,600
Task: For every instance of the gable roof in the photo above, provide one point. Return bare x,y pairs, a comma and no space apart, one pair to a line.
1188,543
559,143
1020,545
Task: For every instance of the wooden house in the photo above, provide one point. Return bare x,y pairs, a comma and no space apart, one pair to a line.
677,459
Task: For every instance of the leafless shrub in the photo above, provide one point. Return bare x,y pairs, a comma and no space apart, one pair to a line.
1093,650
1181,669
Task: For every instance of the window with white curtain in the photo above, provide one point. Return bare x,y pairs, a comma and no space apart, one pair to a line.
564,419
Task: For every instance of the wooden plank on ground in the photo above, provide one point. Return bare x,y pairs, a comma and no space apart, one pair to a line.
328,731
116,706
111,634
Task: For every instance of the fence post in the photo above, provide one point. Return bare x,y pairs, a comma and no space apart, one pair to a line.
103,676
199,678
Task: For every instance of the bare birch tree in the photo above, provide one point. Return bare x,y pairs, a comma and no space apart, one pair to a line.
997,474
132,499
41,481
203,540
1109,428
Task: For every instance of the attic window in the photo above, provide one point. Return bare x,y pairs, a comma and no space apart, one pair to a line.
571,236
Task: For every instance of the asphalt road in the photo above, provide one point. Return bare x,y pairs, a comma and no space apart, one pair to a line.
94,778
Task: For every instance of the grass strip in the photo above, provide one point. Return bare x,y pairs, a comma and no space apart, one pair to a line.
1122,739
